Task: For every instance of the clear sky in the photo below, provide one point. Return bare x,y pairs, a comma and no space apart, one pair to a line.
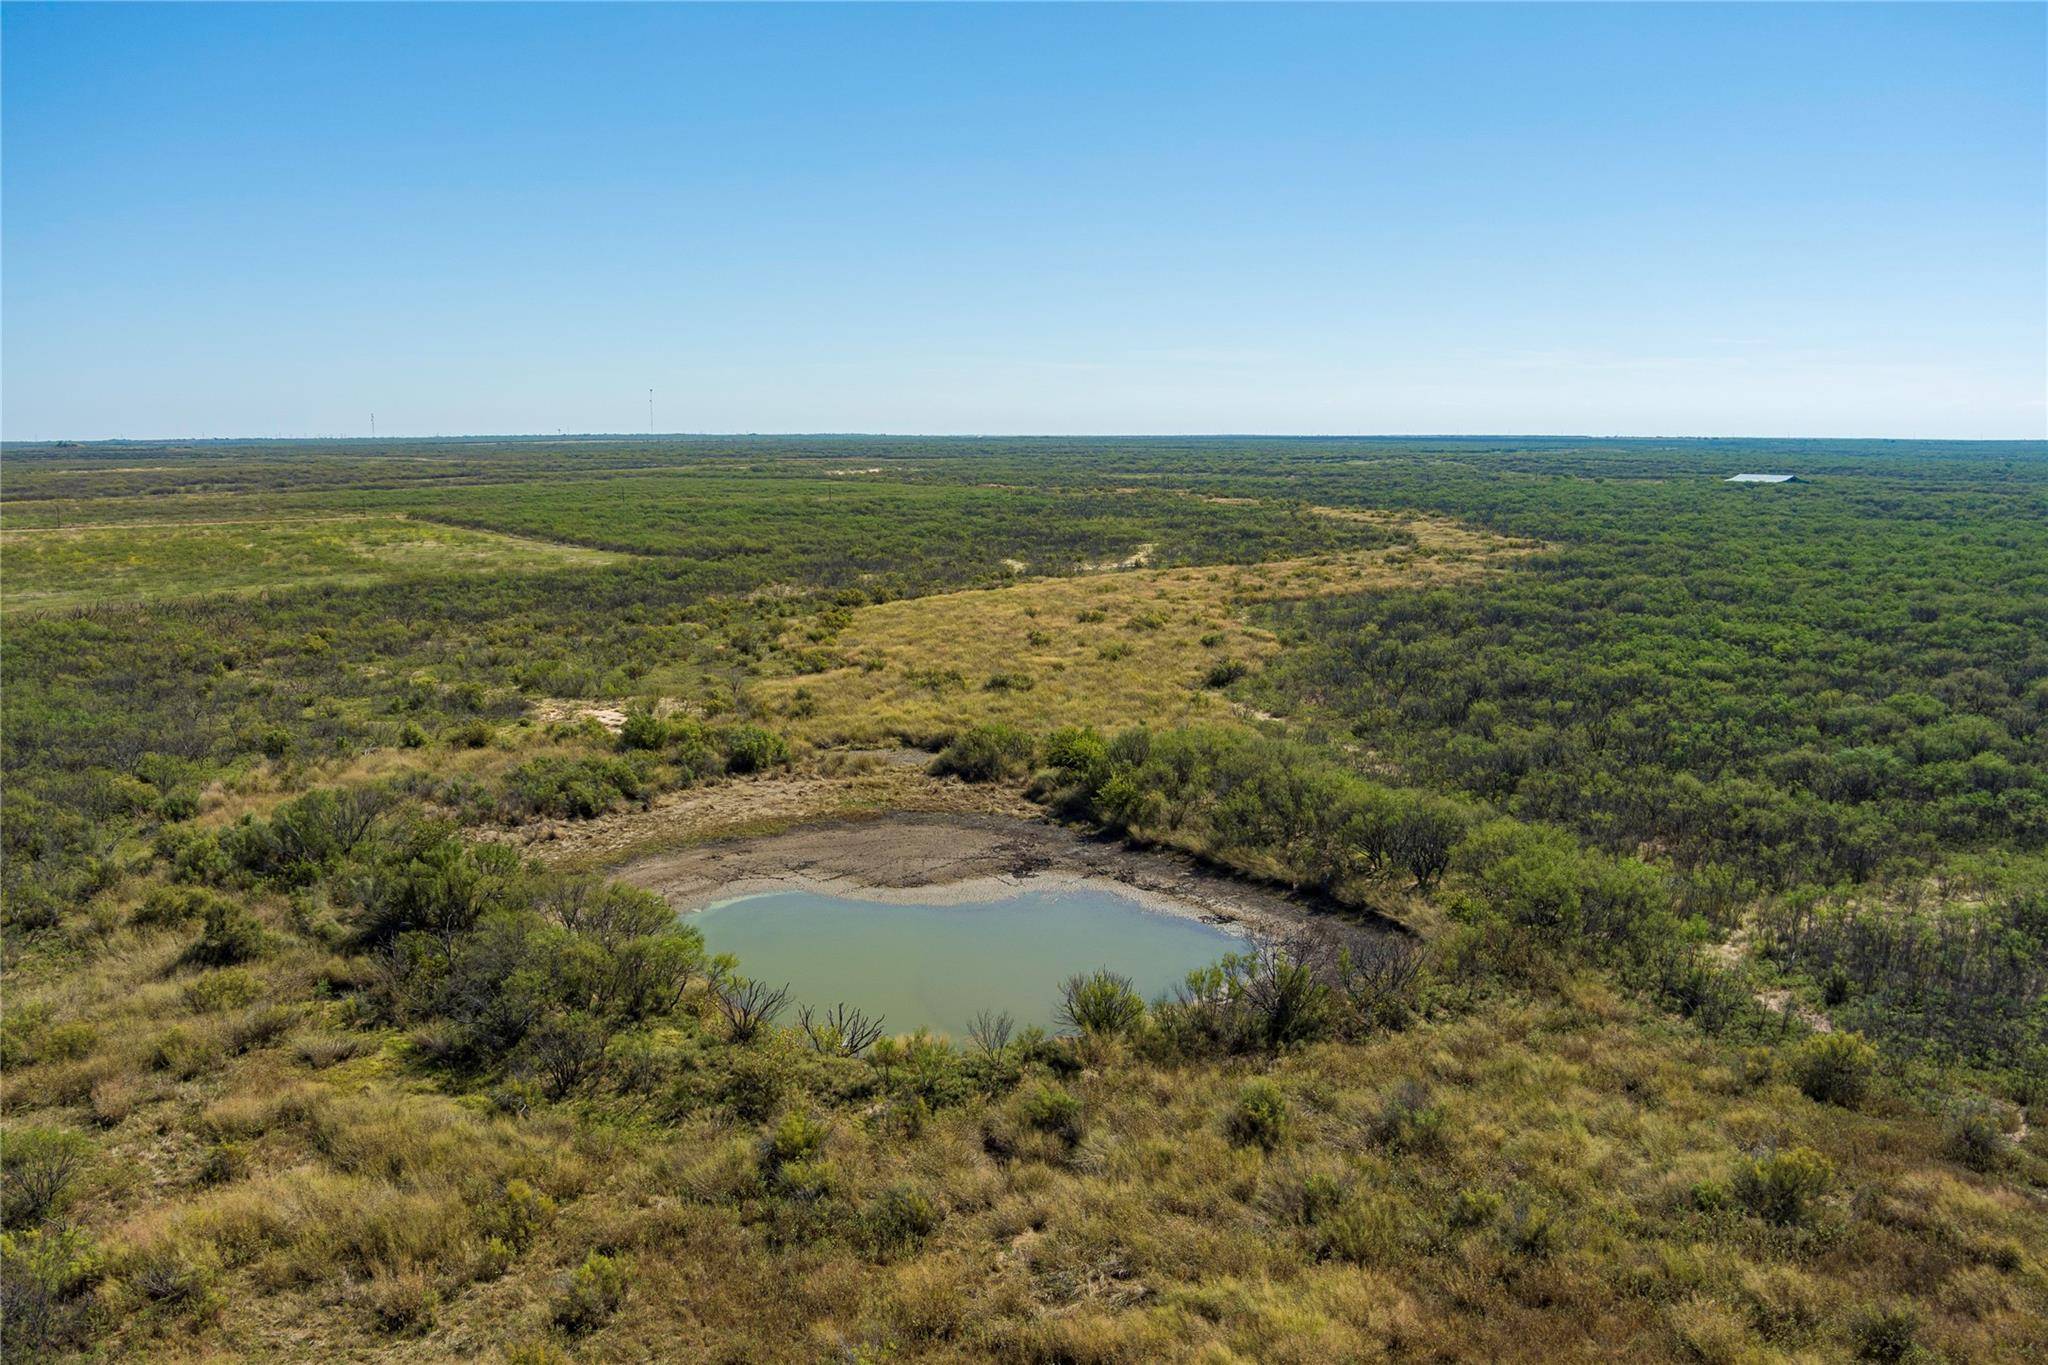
1610,219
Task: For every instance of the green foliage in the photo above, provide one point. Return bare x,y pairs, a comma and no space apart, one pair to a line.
986,753
1973,1133
517,1216
1780,1186
228,989
1410,1120
1258,1116
1100,1004
1224,672
1053,1110
1886,1333
643,730
900,1219
751,749
45,1274
41,1168
574,788
1835,1068
231,935
596,1290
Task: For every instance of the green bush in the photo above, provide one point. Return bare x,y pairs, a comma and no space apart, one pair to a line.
799,1137
596,1290
574,788
1362,1232
903,1217
1100,1004
1224,672
986,753
643,730
169,906
517,1215
231,937
45,1274
40,1168
1410,1120
1886,1333
1258,1117
750,749
228,989
1051,1109
1780,1186
1974,1134
474,734
1835,1068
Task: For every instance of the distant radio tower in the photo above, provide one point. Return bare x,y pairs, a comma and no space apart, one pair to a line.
373,426
650,412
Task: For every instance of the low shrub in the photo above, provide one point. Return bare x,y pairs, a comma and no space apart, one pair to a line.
1053,1110
574,788
232,936
227,989
985,753
1409,1119
1886,1332
1973,1134
1224,672
1100,1004
39,1168
1362,1232
45,1276
903,1217
751,749
1835,1068
1258,1117
1780,1186
595,1291
643,730
173,906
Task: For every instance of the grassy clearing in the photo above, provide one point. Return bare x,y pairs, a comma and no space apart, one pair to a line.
1109,648
77,566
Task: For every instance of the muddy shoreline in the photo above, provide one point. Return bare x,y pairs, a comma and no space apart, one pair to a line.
921,858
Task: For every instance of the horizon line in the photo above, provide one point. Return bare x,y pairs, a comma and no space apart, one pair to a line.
648,437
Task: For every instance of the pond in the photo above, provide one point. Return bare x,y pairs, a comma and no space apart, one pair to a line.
937,966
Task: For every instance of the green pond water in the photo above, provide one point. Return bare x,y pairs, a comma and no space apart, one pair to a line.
936,966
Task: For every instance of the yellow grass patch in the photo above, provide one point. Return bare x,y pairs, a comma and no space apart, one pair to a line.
58,567
1106,649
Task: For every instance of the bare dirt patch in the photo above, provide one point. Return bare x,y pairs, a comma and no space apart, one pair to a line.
867,784
954,858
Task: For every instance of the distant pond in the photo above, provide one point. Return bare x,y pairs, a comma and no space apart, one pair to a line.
937,966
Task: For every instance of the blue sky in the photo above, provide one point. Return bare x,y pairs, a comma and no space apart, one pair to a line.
1617,219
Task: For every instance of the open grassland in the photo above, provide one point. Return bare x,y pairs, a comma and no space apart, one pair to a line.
59,567
1114,647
